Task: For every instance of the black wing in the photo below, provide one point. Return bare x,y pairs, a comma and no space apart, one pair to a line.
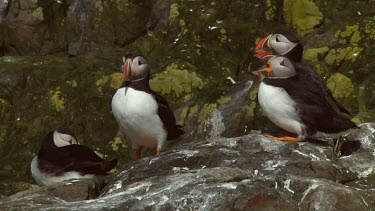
167,117
318,80
314,106
75,158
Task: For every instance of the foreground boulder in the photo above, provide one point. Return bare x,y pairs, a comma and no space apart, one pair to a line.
251,172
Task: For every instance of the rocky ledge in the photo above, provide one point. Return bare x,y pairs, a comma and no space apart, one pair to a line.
250,172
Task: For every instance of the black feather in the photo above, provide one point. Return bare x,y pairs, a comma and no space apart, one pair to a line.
58,160
317,108
164,111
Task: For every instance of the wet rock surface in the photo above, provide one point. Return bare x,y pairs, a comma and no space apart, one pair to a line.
250,172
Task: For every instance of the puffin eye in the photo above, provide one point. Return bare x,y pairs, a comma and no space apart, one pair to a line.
139,62
277,39
282,63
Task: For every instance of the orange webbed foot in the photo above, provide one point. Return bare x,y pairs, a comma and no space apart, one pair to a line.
138,154
158,151
284,138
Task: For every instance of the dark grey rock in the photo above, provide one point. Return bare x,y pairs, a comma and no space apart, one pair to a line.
251,172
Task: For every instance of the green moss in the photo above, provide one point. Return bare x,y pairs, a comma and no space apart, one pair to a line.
38,14
365,116
116,80
72,83
173,12
57,99
98,5
254,94
313,53
176,81
224,100
303,15
193,110
356,120
182,23
271,10
206,111
370,29
336,56
183,116
101,82
340,85
351,33
250,109
117,143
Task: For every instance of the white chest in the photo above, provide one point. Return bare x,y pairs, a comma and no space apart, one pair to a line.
137,115
43,179
280,108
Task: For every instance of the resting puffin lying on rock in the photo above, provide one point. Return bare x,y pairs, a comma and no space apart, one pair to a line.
60,158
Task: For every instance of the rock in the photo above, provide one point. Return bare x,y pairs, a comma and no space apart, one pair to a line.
231,116
70,191
159,19
250,172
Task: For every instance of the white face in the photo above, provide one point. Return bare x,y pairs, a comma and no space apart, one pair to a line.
280,44
280,68
137,67
61,139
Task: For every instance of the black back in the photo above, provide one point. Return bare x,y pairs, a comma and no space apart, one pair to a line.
296,56
58,160
316,107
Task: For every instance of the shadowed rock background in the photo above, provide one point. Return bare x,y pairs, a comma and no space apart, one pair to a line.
60,65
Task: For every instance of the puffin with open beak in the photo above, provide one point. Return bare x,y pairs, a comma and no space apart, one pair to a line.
143,115
287,44
297,103
282,43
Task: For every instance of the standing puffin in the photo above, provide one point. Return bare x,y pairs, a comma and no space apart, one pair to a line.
60,158
143,115
297,103
287,44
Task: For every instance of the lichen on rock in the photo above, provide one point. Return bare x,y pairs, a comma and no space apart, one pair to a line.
340,85
336,56
312,54
303,15
38,14
176,81
57,99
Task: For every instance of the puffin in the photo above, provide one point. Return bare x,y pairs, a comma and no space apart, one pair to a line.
284,43
287,43
60,158
142,114
298,103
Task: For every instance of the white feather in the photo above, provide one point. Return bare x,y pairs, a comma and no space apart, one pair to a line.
137,115
44,179
280,108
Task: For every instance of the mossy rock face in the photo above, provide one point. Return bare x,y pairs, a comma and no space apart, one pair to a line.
41,93
303,15
197,51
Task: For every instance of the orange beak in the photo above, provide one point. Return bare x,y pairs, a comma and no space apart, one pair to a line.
127,70
264,71
263,45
